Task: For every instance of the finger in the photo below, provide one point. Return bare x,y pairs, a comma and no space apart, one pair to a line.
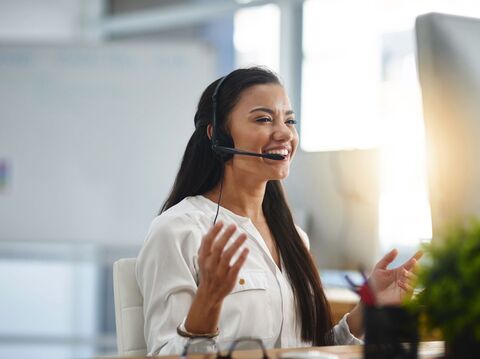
387,259
221,242
208,239
230,251
206,245
408,265
409,275
405,286
418,255
415,268
409,278
235,268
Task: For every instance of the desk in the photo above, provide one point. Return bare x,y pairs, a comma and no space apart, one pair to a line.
427,350
341,301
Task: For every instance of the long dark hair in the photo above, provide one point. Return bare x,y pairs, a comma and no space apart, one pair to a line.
202,169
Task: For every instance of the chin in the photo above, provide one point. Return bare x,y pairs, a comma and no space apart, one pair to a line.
280,176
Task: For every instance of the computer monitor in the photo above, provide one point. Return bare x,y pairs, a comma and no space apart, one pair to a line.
448,59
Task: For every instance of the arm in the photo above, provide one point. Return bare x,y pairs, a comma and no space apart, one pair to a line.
167,275
390,285
218,277
355,321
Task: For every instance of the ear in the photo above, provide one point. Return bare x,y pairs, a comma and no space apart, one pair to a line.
209,131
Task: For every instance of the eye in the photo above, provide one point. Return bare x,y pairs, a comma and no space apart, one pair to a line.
291,121
264,119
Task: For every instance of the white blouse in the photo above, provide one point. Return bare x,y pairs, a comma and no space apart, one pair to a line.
260,305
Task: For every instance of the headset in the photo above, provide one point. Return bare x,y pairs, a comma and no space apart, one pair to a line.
223,150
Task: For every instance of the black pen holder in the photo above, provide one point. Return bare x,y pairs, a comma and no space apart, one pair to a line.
391,332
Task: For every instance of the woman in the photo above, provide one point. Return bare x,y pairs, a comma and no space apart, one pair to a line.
250,273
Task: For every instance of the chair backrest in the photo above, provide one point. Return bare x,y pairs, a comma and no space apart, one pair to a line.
128,309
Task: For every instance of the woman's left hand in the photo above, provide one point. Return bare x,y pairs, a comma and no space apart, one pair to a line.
392,286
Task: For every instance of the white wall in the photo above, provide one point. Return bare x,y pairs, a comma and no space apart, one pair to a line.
33,21
342,228
93,136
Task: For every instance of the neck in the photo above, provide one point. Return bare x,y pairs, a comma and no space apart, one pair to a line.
239,195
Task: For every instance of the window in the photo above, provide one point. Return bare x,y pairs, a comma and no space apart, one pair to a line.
257,36
360,90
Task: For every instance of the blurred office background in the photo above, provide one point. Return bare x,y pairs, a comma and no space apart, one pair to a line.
96,105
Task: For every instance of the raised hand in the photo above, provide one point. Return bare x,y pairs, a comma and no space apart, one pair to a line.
392,286
218,274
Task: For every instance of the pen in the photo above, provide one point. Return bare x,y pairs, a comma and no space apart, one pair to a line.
365,291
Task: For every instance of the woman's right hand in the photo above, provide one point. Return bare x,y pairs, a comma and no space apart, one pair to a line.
217,277
217,274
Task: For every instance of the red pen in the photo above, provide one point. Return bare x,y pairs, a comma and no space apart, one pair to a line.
367,295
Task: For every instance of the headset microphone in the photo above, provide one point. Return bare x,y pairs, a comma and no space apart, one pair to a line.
234,151
230,150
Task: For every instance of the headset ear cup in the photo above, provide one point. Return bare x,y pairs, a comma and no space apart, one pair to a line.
224,140
227,141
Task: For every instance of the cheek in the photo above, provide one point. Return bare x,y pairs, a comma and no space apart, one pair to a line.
253,140
295,141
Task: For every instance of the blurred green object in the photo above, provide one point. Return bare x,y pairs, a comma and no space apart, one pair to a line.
450,300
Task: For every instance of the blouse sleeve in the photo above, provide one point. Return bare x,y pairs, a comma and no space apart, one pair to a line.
342,334
166,273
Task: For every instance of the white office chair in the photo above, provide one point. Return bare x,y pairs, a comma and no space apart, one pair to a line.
128,309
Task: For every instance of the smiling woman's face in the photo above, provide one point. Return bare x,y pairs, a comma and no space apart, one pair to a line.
263,121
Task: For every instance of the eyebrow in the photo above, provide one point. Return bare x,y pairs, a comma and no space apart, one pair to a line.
270,111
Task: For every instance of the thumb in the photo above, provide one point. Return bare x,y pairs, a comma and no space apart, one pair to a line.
387,259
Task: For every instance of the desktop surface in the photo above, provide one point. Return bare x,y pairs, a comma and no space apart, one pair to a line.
427,350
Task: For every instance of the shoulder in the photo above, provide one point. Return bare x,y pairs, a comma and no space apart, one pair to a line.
181,227
173,239
180,219
303,235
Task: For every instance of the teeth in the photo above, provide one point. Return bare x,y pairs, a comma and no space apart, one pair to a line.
278,152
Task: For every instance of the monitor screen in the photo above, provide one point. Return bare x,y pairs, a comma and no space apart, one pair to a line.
448,58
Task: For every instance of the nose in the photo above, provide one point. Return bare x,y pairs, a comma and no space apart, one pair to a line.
282,132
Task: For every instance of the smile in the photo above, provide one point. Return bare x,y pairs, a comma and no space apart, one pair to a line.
283,152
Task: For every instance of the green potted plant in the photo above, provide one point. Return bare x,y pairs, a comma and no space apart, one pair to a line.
450,299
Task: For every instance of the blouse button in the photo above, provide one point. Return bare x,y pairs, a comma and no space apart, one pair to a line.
241,281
